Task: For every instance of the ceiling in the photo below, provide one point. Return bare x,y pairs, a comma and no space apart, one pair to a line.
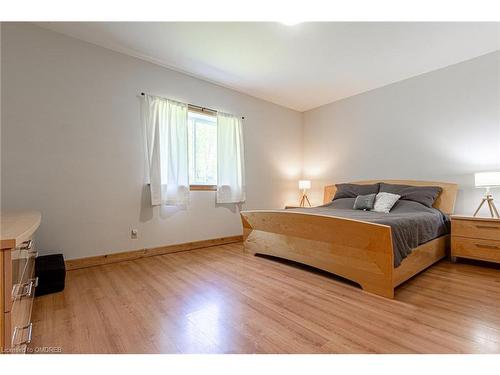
301,66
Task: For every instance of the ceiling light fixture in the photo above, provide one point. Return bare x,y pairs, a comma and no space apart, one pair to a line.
290,23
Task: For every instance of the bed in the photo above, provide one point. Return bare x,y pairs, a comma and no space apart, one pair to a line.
352,247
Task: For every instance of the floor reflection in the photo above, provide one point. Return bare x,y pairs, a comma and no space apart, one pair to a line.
206,321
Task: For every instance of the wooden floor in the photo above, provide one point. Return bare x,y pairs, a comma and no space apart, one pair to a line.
221,300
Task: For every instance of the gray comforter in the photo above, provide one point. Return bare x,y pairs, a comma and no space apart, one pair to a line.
412,224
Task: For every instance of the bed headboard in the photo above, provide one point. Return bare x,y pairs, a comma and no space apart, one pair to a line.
445,201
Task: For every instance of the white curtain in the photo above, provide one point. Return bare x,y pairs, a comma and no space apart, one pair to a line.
230,159
165,125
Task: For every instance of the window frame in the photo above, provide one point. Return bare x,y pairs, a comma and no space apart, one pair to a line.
207,112
202,187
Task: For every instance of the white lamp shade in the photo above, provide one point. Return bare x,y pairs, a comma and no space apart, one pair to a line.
487,179
304,184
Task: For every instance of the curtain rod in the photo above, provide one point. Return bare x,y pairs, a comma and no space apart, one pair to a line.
199,107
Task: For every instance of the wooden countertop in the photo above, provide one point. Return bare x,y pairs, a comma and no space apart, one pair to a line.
17,226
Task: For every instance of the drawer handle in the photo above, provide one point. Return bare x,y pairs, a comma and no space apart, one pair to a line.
487,246
26,245
27,288
31,253
28,327
486,227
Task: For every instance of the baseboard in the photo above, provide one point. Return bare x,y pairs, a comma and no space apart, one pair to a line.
73,264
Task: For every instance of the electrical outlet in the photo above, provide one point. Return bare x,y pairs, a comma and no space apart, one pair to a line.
133,234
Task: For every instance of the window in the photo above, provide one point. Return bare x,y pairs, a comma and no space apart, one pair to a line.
186,148
202,150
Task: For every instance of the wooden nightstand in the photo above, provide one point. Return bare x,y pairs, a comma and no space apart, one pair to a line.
475,238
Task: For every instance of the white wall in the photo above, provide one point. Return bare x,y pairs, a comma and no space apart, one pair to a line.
71,142
442,126
72,146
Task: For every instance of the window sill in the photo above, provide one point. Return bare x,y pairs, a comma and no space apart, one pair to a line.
203,187
199,187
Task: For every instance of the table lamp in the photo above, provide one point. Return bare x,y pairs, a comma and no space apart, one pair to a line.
304,185
487,180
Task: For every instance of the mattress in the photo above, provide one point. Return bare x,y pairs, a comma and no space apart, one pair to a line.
412,224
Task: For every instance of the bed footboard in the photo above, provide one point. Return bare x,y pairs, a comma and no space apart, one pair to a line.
359,251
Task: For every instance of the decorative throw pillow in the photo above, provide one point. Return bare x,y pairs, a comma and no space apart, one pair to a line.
425,195
353,190
364,202
384,202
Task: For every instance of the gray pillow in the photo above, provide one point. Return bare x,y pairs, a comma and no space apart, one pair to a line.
385,201
364,202
353,190
425,195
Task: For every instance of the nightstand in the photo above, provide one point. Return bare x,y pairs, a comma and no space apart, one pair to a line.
475,238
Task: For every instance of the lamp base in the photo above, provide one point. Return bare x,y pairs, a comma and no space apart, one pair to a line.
493,210
304,199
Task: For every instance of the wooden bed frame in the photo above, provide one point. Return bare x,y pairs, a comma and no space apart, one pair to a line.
356,250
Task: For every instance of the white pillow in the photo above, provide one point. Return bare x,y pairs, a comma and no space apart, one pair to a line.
384,202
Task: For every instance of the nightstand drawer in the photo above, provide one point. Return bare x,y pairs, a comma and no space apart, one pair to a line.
488,230
475,248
